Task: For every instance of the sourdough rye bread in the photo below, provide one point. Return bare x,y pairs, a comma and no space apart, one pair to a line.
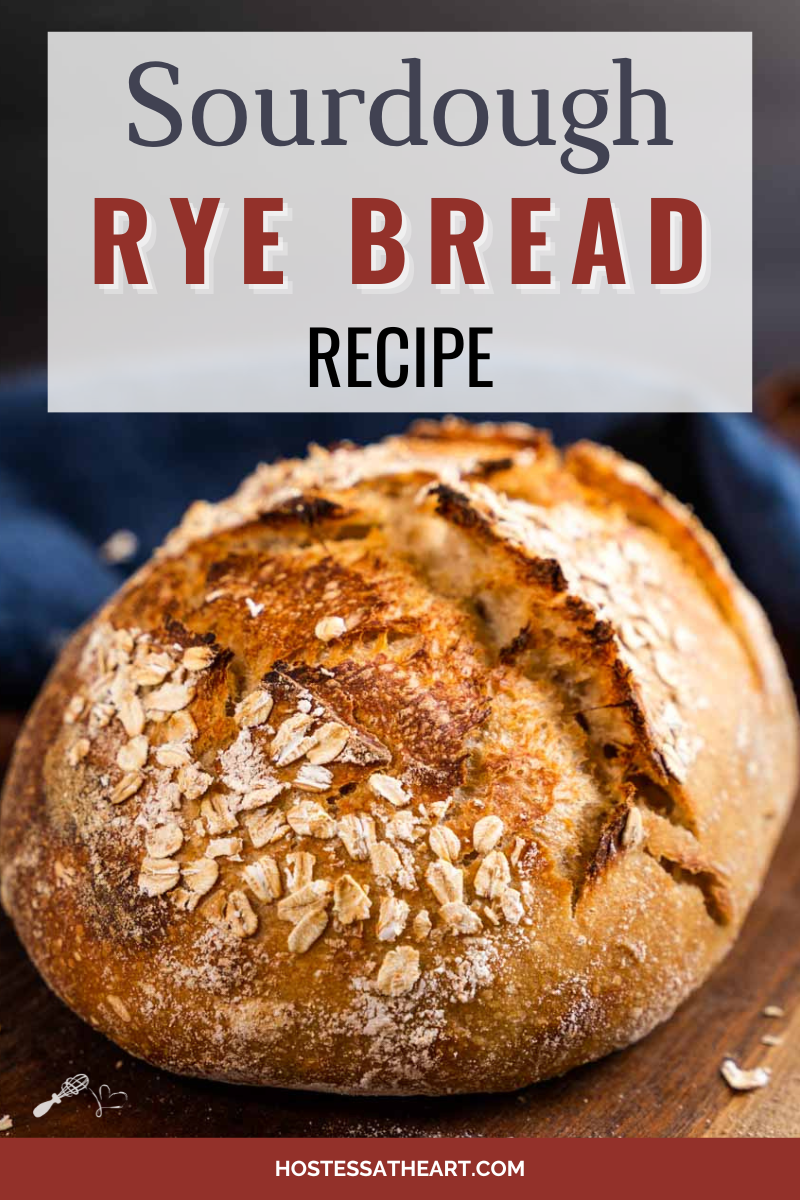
439,765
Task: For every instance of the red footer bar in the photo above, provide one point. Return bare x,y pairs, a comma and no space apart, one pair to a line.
490,1168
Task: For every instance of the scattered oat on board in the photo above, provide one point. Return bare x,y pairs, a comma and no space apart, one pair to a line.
741,1080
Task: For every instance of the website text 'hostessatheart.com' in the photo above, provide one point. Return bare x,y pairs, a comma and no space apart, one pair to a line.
397,1167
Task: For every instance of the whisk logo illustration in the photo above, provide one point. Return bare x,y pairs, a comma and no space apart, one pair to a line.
76,1084
70,1087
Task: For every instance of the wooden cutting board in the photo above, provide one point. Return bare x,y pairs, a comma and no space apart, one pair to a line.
667,1086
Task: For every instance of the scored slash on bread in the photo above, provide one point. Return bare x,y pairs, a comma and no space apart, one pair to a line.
438,765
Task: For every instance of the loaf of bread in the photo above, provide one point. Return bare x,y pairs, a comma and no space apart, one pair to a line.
439,765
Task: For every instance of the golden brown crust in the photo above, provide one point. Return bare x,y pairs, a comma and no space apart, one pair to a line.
442,764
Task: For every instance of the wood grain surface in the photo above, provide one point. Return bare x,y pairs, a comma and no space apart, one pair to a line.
667,1086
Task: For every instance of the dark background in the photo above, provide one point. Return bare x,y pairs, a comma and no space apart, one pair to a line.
776,128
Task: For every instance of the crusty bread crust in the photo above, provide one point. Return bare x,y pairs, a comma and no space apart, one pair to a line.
435,766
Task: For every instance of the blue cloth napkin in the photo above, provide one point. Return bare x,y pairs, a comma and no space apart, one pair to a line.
67,482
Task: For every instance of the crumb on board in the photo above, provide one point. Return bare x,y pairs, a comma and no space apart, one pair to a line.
769,1039
5,1123
773,1010
740,1079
